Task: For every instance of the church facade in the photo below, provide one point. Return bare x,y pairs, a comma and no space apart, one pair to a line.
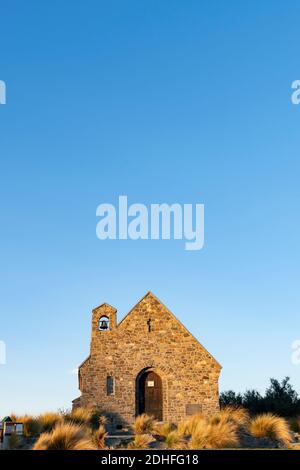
148,363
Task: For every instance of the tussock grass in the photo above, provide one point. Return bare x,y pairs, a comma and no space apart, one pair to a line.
144,424
183,428
271,426
233,414
229,428
175,440
99,437
79,416
220,431
214,435
191,423
14,417
163,429
31,425
65,436
141,441
49,420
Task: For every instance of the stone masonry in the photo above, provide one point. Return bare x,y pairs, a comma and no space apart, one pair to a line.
149,338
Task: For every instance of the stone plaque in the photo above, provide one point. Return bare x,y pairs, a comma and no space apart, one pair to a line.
192,409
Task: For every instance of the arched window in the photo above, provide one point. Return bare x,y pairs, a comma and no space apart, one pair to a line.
104,323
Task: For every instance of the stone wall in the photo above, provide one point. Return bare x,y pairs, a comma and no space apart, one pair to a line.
189,373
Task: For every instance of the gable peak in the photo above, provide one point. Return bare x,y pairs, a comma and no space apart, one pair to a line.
106,306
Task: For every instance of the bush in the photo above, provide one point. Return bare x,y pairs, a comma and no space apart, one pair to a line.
230,398
295,424
280,398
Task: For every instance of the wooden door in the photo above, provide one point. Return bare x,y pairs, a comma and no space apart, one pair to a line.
152,395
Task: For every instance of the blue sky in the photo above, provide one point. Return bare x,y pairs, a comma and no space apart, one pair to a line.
181,101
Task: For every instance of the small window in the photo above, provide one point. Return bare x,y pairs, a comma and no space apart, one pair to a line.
104,324
110,385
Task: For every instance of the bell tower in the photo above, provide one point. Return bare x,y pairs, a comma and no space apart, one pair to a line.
104,322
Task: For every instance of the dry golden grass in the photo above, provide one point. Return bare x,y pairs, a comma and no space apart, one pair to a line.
237,415
99,437
141,441
191,423
175,440
271,426
214,435
163,429
79,416
49,420
31,425
102,420
66,436
144,424
182,428
14,417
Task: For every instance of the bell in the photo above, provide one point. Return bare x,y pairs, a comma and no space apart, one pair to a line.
103,325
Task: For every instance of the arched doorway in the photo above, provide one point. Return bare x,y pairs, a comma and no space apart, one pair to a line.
149,397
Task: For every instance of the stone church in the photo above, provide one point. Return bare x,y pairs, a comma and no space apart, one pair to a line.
147,363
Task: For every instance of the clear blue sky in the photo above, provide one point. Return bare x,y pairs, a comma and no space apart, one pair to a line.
164,101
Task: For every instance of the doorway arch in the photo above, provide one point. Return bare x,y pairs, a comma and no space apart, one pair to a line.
149,394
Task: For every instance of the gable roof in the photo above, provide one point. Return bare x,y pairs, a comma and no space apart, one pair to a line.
150,294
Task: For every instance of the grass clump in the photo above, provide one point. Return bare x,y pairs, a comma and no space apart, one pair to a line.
232,414
31,425
65,436
49,420
163,429
141,441
79,416
144,424
214,435
99,437
175,440
272,427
